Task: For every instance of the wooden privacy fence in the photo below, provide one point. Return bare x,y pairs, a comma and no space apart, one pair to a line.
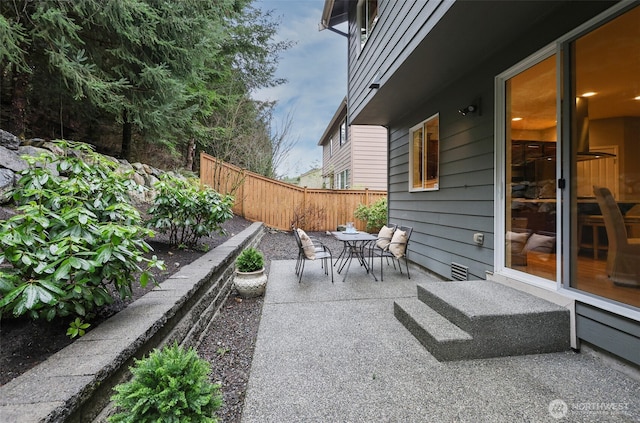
278,204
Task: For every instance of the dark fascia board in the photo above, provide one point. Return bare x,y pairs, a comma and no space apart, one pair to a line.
340,114
334,13
467,35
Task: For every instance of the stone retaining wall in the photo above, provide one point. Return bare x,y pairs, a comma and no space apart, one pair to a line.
75,384
11,164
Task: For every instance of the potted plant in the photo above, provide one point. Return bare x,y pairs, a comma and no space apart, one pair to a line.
250,279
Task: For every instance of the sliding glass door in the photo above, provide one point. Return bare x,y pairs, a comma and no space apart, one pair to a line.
571,169
603,80
530,171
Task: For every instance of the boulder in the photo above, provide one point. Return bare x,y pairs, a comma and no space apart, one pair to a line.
138,179
150,180
29,150
7,182
8,140
9,159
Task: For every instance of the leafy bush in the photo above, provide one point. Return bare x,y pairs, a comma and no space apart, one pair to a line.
250,260
188,212
171,385
75,234
375,215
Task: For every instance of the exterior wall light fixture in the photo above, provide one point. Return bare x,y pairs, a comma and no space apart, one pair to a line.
375,82
471,108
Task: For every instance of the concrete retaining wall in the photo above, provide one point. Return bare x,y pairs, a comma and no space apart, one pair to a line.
75,384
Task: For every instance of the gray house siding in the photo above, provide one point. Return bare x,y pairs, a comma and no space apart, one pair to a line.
401,26
445,220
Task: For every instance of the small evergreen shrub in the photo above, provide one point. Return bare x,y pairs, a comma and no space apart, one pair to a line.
375,214
187,212
171,385
75,235
250,260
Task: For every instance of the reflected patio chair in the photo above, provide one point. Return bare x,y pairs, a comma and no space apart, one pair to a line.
623,256
308,250
395,250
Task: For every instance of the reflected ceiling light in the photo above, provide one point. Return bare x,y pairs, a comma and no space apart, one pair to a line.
516,119
636,97
588,94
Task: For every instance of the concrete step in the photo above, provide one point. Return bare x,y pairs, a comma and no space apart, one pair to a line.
501,320
444,340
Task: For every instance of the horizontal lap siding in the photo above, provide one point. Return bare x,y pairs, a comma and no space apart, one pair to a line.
445,220
369,157
401,26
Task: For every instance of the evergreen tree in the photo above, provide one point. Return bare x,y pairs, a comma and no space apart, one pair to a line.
174,72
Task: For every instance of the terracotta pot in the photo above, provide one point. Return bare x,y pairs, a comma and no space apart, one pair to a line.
250,284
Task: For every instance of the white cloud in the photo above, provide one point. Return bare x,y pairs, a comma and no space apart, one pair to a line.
315,69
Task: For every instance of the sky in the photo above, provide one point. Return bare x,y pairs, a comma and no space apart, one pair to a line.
316,72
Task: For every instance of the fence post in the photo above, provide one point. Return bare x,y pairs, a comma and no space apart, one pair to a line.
366,196
304,200
242,197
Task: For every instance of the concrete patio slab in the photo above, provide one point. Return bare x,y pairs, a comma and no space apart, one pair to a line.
335,353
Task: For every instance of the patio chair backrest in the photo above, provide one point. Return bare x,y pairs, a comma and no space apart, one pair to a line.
409,231
296,235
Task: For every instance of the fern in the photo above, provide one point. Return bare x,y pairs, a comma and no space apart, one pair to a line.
171,385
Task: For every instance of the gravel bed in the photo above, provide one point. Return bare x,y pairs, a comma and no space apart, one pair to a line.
230,341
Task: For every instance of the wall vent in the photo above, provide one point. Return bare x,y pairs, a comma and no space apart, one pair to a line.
459,272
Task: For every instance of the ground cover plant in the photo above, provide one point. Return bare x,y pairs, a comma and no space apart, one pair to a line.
75,240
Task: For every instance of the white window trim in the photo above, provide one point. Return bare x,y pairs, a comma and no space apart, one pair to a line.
343,136
411,131
359,19
500,181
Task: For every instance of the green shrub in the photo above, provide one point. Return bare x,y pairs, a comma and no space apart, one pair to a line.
375,215
250,260
171,385
187,212
75,235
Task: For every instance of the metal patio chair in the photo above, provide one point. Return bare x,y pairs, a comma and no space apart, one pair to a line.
313,250
395,250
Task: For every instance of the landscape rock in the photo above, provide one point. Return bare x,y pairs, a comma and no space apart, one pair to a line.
11,160
144,175
138,179
150,180
29,150
8,140
54,148
7,182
